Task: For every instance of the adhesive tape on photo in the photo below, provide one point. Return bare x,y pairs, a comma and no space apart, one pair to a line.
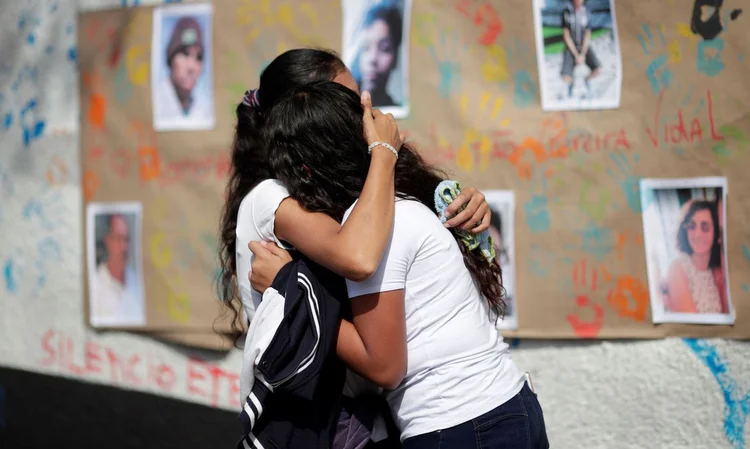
189,37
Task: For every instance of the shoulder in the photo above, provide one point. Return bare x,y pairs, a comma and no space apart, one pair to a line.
677,269
258,207
411,212
270,187
267,194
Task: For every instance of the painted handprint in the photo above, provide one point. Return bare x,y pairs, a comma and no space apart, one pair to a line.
521,63
589,317
260,17
536,209
627,180
629,298
476,144
444,52
735,141
148,154
657,72
594,200
709,60
485,18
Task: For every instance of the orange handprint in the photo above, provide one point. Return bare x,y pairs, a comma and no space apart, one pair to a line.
629,298
586,277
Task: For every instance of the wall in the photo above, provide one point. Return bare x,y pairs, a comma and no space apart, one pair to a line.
668,393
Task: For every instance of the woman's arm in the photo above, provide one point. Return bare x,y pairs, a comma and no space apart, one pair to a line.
586,42
374,345
569,43
353,250
679,290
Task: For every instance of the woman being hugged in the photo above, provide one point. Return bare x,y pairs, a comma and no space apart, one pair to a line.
424,322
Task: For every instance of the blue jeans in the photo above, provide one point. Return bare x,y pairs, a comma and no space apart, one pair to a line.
517,424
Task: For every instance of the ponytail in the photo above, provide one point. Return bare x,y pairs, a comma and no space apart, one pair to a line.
247,151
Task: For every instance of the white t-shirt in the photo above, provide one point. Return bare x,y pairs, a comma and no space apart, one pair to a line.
255,221
458,366
114,303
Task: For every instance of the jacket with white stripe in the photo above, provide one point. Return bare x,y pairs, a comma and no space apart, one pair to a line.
292,380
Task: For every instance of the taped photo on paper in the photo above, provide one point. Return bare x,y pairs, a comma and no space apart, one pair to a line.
502,207
182,92
684,232
115,265
578,54
376,50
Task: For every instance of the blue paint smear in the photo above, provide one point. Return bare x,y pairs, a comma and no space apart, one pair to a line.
10,281
7,120
736,409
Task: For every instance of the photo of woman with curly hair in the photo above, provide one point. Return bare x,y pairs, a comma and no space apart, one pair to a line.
683,223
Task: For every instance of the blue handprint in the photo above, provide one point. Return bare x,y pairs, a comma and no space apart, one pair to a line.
448,68
710,65
597,241
536,211
537,214
524,87
629,183
658,75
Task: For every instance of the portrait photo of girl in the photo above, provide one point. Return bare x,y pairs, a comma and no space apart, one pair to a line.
684,234
375,48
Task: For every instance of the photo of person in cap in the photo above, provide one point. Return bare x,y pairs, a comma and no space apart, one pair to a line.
182,93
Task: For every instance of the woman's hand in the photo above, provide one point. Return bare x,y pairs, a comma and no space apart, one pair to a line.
268,261
380,127
476,216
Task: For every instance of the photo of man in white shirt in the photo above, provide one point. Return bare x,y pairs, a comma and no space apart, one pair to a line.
181,69
116,296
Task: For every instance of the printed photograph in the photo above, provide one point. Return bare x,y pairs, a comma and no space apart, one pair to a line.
181,68
502,206
376,50
685,238
578,54
114,264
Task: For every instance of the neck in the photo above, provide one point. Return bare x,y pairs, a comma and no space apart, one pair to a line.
700,261
116,270
183,96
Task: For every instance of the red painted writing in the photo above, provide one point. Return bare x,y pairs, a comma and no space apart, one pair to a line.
195,169
201,380
680,132
212,383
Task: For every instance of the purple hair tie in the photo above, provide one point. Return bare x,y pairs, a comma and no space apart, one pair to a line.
251,98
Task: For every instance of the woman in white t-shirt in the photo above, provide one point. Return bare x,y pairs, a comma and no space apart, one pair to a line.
423,326
258,208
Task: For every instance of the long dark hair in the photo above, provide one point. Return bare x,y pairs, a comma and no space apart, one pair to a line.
683,244
320,154
250,157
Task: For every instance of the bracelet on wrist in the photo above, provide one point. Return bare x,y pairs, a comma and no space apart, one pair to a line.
384,145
